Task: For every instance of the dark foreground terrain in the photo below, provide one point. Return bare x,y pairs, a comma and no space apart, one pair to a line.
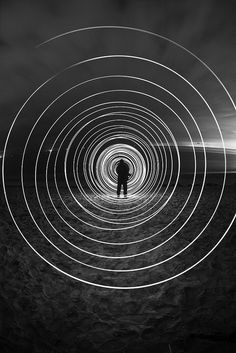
43,311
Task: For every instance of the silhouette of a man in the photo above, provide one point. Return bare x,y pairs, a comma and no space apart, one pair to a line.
122,170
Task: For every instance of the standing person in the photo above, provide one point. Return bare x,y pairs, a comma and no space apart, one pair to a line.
122,170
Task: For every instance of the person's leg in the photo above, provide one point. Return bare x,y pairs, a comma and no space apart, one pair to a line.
118,188
125,188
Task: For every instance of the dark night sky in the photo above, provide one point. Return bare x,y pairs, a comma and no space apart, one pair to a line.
207,28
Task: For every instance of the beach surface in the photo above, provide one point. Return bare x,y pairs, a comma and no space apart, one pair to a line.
43,310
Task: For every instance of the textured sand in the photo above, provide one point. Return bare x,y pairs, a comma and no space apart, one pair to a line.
44,311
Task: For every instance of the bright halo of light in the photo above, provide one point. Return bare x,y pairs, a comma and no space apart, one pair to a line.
96,215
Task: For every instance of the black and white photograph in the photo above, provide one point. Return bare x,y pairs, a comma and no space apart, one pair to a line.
118,176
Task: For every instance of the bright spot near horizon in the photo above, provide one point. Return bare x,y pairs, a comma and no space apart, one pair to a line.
228,145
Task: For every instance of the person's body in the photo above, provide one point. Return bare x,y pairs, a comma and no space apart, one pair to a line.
123,176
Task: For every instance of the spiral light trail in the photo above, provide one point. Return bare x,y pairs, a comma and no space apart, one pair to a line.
97,111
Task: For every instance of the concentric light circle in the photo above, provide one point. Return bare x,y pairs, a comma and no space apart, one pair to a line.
100,108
